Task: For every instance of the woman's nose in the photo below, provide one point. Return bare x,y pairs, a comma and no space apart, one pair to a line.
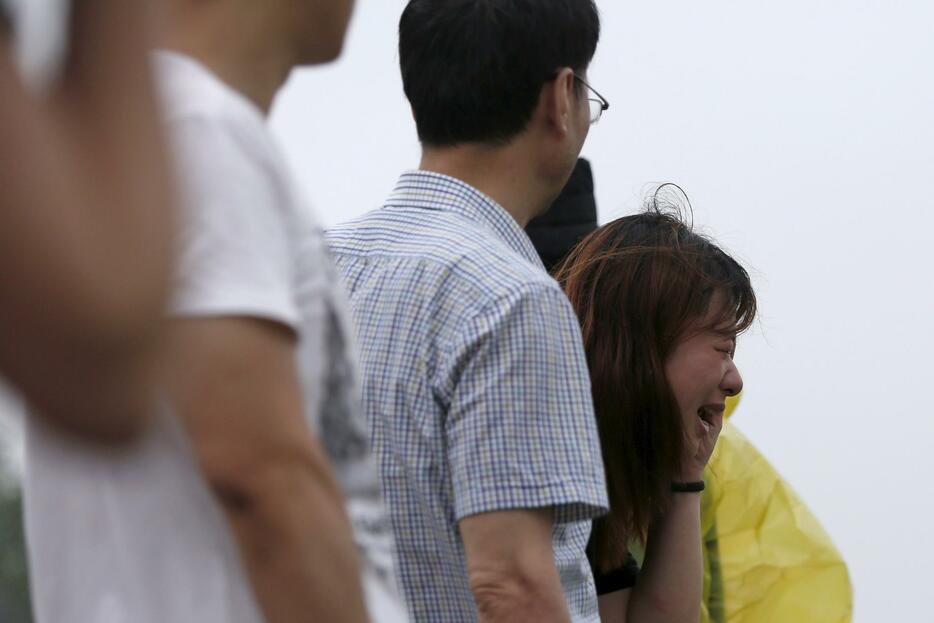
732,382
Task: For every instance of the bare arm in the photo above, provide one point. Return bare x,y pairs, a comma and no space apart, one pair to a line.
511,566
85,227
236,388
670,583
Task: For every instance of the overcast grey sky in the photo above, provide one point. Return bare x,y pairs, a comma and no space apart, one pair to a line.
802,132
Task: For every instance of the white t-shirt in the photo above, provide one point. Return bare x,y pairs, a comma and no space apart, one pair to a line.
136,536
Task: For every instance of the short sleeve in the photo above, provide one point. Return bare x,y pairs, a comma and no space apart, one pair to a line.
520,429
235,252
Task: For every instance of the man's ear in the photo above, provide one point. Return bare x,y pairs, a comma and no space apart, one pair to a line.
558,101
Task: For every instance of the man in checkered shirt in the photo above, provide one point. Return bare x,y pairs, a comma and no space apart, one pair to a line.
475,382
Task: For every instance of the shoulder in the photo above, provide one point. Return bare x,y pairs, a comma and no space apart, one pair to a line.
449,246
532,323
226,163
204,115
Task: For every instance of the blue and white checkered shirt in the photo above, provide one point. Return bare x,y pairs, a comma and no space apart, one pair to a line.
475,386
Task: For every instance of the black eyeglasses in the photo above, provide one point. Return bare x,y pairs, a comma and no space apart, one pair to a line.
597,104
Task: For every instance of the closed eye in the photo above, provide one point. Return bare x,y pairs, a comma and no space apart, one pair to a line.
726,343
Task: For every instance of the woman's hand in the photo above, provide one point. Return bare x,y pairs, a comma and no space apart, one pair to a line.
700,441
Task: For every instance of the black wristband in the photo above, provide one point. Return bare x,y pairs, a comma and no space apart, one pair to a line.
687,487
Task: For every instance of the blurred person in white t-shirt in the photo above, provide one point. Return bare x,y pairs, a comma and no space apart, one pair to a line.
254,497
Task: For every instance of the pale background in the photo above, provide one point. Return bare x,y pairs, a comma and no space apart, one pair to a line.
803,133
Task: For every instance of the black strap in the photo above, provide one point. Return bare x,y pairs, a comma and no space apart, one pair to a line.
688,487
618,579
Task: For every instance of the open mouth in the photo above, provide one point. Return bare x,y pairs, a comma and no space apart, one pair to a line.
707,415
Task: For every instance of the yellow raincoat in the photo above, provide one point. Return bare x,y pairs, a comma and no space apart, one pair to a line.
766,558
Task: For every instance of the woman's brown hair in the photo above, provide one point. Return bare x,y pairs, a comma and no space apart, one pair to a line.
639,285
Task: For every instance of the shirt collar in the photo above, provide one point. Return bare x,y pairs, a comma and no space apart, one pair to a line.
435,191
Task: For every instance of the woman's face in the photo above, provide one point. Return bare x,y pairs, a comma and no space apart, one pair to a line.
702,374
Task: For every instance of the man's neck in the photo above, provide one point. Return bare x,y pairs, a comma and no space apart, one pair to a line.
253,63
501,173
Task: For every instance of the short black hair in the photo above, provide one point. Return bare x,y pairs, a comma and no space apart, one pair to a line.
473,69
